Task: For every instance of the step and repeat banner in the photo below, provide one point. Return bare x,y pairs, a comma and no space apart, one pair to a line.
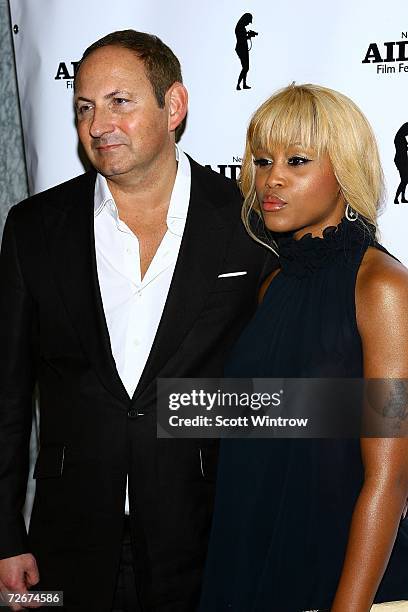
358,48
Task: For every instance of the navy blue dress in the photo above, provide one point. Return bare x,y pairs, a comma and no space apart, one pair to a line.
283,507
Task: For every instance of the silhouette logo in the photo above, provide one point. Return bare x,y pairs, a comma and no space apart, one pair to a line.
401,161
244,45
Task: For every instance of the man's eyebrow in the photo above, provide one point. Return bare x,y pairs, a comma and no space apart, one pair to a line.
81,99
108,96
116,92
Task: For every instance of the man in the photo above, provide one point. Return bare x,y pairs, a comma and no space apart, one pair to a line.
107,282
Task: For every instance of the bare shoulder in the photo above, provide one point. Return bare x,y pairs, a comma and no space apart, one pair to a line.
381,280
382,315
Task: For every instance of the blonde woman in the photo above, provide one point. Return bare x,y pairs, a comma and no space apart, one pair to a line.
315,524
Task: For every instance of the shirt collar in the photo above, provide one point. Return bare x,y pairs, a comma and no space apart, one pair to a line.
179,201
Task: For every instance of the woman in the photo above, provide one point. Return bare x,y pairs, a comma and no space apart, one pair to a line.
315,524
401,161
241,48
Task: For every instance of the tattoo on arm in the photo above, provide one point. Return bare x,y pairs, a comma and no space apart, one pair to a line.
389,399
396,406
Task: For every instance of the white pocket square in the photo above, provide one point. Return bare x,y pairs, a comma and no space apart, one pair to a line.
232,274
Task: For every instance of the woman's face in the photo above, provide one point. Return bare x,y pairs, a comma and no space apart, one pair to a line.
297,191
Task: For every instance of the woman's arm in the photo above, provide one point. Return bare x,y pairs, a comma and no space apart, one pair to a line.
382,318
265,284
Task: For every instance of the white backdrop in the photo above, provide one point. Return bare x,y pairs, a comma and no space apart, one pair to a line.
317,42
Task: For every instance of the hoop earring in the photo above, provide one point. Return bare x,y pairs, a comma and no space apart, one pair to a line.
351,214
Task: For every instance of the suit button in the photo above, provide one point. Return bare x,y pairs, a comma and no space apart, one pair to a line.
132,413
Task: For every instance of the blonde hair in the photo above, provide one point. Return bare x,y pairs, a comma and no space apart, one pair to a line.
327,122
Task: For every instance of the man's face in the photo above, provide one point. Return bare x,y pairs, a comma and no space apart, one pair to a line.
120,125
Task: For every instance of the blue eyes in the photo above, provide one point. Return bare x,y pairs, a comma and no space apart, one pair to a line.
295,160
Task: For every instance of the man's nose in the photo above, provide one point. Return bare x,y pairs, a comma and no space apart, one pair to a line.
102,123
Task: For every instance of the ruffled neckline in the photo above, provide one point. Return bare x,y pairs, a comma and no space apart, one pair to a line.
342,242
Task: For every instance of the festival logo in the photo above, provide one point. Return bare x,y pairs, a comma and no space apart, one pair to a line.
243,47
67,74
401,161
389,57
229,170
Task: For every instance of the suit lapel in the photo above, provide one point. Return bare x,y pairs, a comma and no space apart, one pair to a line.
69,227
208,226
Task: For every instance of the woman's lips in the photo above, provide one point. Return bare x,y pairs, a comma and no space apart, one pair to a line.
272,204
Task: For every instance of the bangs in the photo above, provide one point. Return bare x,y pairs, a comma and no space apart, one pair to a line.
291,117
324,122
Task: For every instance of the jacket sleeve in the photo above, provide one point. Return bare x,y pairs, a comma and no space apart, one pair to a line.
16,387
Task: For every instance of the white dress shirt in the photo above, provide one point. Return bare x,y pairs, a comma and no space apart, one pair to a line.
133,306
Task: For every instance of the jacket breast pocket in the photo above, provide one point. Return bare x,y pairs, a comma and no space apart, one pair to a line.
50,462
231,283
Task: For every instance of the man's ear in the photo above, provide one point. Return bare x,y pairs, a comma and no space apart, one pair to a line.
177,101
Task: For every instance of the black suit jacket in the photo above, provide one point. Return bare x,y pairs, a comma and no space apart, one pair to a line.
53,330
